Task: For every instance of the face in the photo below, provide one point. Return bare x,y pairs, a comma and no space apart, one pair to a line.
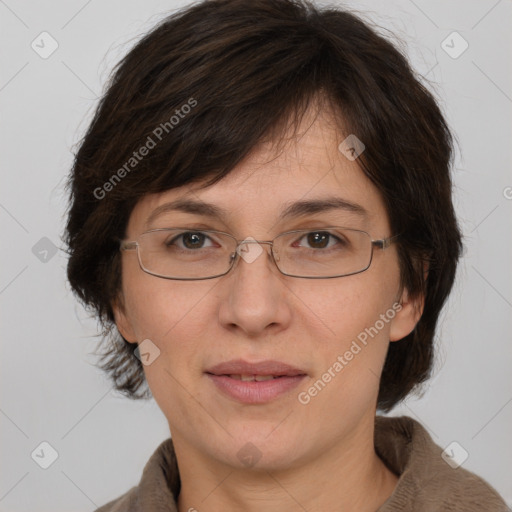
255,313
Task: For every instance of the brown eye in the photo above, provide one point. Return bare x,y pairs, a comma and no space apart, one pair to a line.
321,240
318,240
189,240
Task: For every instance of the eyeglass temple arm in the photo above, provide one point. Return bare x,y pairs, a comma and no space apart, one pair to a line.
384,243
127,246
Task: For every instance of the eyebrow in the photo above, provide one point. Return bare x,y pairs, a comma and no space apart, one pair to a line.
292,210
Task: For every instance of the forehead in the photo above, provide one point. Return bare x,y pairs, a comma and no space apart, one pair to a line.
307,176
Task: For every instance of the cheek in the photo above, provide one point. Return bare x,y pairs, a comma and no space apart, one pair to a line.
153,305
159,308
171,314
348,307
358,315
174,317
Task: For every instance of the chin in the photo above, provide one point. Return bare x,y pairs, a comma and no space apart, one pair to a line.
255,449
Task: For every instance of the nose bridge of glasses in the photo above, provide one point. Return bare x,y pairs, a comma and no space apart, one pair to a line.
250,240
253,241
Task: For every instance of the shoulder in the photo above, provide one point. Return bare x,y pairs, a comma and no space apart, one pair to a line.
158,488
125,503
428,480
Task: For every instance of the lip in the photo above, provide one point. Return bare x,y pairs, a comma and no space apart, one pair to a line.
254,392
242,367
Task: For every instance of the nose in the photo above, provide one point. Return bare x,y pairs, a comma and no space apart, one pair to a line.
255,295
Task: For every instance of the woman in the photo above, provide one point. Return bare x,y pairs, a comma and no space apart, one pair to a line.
261,216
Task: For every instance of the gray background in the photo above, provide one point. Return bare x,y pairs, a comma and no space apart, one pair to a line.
50,389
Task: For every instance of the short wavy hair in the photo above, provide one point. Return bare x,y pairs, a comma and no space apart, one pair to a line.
246,68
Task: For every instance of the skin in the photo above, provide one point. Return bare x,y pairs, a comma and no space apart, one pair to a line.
314,457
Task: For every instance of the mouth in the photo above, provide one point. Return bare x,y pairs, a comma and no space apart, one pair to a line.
252,378
255,383
268,368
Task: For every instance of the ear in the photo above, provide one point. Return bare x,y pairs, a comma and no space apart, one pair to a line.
123,323
409,311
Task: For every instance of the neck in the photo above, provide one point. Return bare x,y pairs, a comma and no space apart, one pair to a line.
347,476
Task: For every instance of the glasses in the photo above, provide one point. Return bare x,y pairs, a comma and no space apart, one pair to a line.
191,254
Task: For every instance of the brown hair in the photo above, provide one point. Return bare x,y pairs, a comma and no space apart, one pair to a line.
243,67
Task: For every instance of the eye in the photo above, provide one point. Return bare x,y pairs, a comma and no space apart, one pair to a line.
321,239
189,240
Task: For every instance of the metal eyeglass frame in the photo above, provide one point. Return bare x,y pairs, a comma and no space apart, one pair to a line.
130,245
